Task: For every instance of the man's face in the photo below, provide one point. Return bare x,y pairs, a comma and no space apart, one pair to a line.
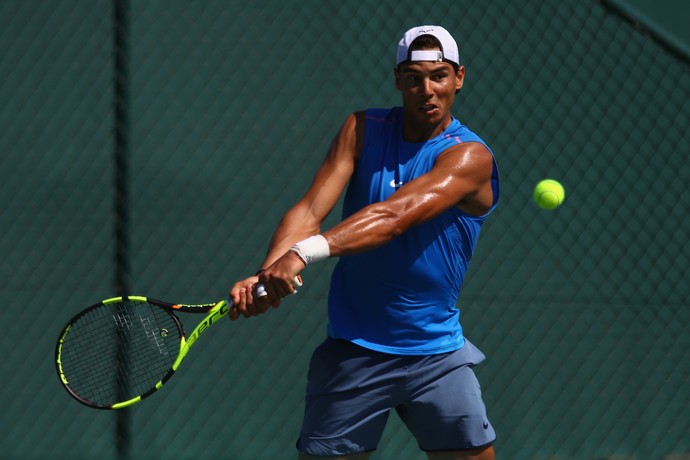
428,89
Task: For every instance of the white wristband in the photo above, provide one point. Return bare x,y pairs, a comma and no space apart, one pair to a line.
312,249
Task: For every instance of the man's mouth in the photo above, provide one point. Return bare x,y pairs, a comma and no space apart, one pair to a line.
428,108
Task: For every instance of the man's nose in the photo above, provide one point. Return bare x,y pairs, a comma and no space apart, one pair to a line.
426,87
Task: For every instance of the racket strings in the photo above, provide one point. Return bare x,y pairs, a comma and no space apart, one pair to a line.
119,351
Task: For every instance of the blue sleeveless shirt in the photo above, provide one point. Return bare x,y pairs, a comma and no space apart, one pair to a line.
400,298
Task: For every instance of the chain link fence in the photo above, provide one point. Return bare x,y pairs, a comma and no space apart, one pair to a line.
583,312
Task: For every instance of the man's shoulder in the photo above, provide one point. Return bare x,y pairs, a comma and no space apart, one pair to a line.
380,117
462,133
382,109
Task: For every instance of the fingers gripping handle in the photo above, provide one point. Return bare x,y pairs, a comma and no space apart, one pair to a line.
261,289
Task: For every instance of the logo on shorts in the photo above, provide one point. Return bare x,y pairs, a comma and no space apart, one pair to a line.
486,425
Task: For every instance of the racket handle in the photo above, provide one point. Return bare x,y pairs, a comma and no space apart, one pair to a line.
261,289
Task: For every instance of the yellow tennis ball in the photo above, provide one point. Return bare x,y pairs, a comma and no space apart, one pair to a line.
549,194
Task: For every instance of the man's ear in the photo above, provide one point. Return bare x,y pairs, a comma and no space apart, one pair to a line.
396,73
459,78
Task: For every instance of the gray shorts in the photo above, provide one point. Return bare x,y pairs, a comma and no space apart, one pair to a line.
351,390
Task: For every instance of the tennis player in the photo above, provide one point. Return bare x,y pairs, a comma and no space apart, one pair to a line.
418,187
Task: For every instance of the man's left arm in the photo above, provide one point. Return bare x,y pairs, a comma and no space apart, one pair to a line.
461,176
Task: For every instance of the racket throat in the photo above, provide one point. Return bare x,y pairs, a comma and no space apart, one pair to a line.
221,309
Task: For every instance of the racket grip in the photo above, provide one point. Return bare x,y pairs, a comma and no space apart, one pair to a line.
260,289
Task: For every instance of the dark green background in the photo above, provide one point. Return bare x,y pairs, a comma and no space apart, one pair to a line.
583,312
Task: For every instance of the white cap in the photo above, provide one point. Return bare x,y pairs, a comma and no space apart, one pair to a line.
449,49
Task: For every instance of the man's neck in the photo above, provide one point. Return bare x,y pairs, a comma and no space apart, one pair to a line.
414,132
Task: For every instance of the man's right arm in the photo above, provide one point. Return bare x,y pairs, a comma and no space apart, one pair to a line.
304,219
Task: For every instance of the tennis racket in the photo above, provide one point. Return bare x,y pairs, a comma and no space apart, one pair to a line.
117,352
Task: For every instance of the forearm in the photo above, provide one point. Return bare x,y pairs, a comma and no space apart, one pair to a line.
372,227
298,235
369,228
453,178
296,225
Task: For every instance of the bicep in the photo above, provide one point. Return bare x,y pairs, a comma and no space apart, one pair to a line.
456,176
335,171
460,177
